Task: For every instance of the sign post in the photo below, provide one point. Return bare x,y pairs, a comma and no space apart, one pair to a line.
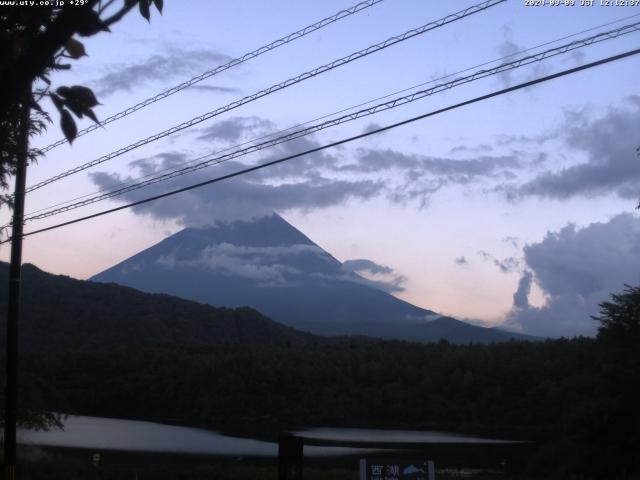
290,455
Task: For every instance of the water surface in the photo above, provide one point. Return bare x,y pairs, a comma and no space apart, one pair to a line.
392,436
130,435
112,434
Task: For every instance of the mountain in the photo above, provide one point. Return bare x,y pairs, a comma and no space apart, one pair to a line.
271,266
61,314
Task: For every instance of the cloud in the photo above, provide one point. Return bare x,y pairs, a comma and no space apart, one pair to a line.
370,127
612,164
535,140
507,49
461,261
235,128
174,62
577,269
379,276
477,148
313,181
417,166
506,265
282,266
420,176
513,241
521,296
214,88
510,49
267,266
248,196
577,57
364,265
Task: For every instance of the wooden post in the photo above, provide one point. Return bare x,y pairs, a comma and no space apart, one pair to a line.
13,313
290,456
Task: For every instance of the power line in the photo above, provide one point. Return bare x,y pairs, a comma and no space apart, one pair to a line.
341,142
280,86
280,132
562,49
221,68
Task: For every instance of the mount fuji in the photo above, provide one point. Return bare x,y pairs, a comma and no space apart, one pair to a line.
269,265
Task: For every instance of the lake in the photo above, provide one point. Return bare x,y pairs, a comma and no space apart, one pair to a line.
368,435
113,434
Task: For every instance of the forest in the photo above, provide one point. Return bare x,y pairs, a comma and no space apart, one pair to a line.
575,400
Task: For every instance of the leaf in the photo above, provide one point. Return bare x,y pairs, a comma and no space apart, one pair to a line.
35,105
82,95
75,48
90,23
89,113
75,108
144,9
63,91
57,101
80,100
159,5
68,126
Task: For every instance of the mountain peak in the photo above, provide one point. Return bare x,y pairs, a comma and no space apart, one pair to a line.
269,265
271,230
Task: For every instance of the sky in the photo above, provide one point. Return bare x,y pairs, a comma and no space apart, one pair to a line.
518,211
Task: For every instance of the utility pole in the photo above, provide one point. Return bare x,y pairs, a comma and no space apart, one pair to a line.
13,314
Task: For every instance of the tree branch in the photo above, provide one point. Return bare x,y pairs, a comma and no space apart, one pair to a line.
118,15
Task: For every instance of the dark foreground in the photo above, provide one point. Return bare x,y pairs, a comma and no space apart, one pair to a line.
58,464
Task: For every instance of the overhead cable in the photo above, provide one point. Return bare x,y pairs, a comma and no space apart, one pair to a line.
562,49
274,88
221,68
339,142
322,117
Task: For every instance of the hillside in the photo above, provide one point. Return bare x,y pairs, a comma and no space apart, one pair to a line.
61,314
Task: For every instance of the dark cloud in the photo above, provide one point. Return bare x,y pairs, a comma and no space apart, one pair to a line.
371,127
612,164
506,265
461,261
418,166
521,296
172,63
477,148
257,194
536,140
236,128
577,269
424,173
317,180
214,88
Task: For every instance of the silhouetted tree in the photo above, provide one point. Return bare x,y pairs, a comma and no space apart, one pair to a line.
36,41
620,319
619,385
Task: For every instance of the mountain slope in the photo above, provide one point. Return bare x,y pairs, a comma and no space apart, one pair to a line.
61,314
266,264
269,265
